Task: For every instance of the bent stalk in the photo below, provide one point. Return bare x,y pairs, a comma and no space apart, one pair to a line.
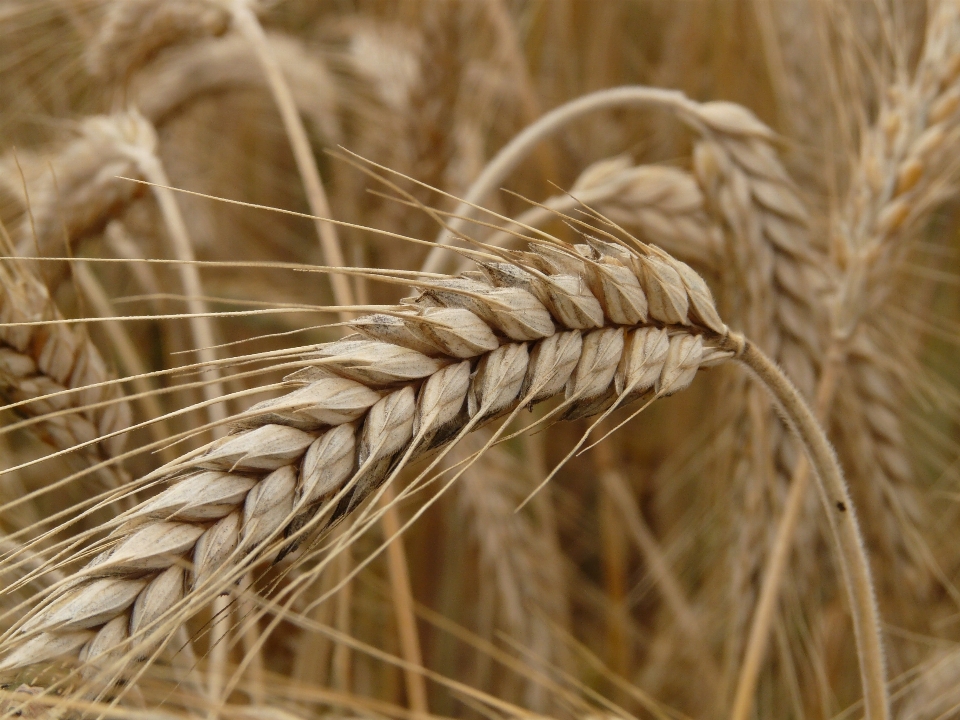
843,524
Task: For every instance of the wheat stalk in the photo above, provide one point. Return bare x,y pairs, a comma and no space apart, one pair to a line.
134,138
602,323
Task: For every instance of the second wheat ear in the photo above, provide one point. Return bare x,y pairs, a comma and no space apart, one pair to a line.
593,326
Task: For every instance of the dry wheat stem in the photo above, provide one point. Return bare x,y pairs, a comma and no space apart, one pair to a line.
128,355
843,522
201,327
203,336
247,24
777,562
602,297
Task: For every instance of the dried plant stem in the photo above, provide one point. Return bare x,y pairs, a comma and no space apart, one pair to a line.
404,604
249,26
341,661
201,328
219,645
128,356
843,523
514,152
765,611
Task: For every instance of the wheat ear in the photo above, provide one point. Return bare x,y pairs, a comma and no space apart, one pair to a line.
602,323
49,360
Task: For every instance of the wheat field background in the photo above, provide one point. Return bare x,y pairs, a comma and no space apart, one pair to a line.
258,465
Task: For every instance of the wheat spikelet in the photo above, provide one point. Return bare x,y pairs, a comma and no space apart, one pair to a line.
42,360
133,31
649,328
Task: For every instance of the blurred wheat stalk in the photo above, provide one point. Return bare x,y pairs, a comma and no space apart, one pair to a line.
801,157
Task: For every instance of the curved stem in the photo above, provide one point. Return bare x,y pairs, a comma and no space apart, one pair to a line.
514,152
776,565
201,327
404,604
843,524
